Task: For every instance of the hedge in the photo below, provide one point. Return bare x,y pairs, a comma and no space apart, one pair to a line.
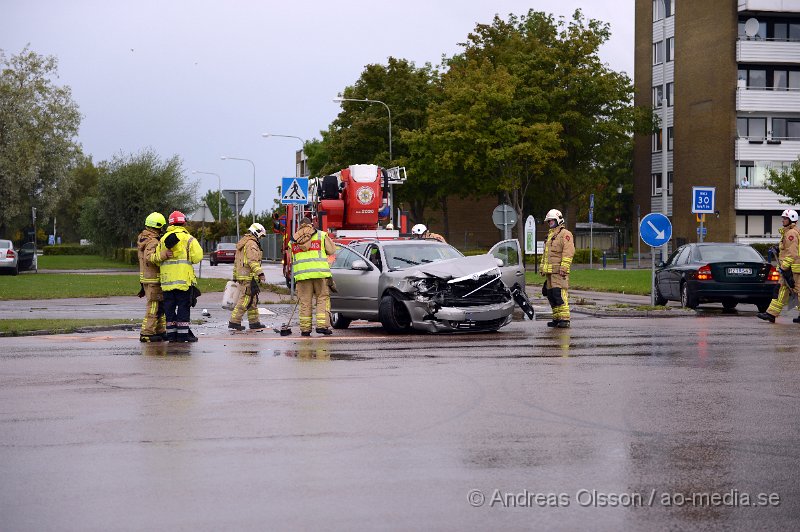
125,255
70,249
582,255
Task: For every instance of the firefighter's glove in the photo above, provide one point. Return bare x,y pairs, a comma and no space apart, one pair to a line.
544,289
332,286
254,288
563,272
171,239
788,277
166,254
141,290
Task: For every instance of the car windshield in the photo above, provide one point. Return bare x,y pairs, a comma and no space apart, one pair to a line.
399,256
728,254
226,246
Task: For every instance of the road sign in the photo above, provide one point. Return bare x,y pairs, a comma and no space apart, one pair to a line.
703,200
701,218
236,199
202,214
530,235
704,232
504,216
294,190
655,229
591,201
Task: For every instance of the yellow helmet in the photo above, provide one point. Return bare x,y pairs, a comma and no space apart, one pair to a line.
155,220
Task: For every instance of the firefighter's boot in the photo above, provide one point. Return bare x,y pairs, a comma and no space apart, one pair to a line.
563,324
146,338
257,326
766,317
235,326
324,330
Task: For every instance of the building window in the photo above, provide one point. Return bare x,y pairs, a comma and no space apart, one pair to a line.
657,144
658,10
655,182
658,52
670,94
670,49
751,128
786,128
658,96
669,177
669,138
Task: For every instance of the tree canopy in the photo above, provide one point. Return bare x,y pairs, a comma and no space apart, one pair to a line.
39,122
786,182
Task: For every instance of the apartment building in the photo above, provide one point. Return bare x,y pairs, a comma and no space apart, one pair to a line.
723,76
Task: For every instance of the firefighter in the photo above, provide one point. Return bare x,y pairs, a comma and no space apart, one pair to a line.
555,265
310,251
177,277
789,263
154,323
248,273
421,232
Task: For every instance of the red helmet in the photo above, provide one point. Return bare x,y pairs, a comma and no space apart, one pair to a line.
177,217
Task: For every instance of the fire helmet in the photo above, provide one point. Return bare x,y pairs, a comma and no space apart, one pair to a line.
791,214
419,229
177,217
555,214
155,220
257,230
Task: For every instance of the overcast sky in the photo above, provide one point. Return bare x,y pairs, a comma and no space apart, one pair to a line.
202,79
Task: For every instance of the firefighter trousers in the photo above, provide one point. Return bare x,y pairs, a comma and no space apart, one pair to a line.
557,296
784,293
245,304
177,308
307,290
154,321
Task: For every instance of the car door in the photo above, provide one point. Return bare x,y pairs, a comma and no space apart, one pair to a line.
512,271
664,280
26,256
356,293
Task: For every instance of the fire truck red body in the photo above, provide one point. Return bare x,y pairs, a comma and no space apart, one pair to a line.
349,205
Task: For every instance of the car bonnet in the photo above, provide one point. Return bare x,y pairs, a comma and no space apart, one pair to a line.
452,268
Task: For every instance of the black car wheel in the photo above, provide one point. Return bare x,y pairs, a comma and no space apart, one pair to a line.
393,315
340,322
763,305
688,299
15,271
659,299
213,263
729,304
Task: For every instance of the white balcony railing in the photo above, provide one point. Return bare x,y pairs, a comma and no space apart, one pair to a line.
767,150
786,101
759,199
763,51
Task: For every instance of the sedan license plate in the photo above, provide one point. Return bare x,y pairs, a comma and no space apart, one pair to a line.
740,271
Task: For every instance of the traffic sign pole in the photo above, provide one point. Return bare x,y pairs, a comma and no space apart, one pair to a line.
655,230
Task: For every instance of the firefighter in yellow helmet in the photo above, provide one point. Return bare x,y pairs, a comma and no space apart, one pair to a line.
154,323
310,251
177,252
247,272
789,261
556,261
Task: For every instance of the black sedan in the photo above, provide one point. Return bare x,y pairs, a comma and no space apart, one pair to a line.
716,273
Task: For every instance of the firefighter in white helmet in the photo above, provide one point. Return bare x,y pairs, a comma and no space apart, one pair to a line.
789,263
248,273
556,262
422,232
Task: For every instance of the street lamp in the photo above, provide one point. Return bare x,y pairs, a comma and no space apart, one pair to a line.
391,189
621,241
302,142
219,192
226,157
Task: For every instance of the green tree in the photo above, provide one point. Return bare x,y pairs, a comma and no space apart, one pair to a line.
786,182
38,125
128,189
82,185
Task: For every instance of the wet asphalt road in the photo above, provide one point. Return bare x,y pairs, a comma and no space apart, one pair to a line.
595,427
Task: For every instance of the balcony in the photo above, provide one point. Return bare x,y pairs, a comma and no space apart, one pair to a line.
767,150
755,100
781,6
767,52
759,199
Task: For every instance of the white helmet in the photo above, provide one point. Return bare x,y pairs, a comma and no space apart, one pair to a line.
791,214
389,226
257,230
419,229
555,214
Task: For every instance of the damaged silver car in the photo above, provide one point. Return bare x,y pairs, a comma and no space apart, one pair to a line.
425,285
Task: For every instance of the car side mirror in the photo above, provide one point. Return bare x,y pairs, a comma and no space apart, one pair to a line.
359,264
500,262
660,264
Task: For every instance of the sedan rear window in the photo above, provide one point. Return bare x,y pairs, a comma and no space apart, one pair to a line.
226,246
5,244
728,253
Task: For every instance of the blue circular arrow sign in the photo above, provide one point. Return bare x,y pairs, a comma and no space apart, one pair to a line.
655,229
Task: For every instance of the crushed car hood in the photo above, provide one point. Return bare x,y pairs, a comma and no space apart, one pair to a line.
453,268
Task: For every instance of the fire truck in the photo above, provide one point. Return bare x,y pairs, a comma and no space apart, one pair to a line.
349,205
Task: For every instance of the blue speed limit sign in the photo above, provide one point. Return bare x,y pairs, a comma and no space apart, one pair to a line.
703,200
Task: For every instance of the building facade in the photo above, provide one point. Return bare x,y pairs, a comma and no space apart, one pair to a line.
723,77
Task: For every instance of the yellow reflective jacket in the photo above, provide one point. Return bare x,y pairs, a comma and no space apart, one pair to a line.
310,258
177,272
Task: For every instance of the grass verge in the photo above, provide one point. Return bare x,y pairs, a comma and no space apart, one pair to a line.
620,281
81,262
63,285
21,327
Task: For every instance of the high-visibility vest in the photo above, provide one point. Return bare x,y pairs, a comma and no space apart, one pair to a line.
311,264
177,272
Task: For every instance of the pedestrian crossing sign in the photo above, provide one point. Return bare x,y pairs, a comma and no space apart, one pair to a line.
294,191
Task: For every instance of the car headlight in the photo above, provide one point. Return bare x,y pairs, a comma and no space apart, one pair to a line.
423,285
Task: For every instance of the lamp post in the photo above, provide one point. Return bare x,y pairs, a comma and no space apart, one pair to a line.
391,189
225,158
621,241
219,192
302,142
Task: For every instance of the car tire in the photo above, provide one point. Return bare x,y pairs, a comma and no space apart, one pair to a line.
688,299
763,305
393,315
659,299
729,304
340,322
213,263
15,271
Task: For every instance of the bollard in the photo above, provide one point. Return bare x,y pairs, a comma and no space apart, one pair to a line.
624,261
604,260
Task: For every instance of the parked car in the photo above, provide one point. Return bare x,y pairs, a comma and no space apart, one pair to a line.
424,285
716,273
223,253
14,261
